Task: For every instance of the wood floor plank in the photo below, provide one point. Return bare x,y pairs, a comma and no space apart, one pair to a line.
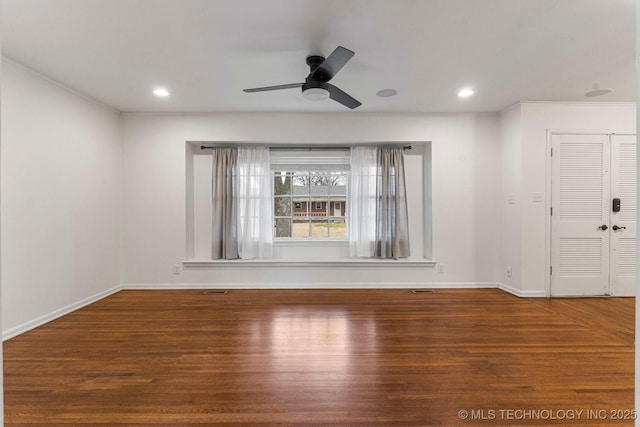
324,357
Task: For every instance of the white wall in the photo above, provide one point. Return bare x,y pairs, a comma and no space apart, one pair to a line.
524,166
1,299
464,158
509,202
60,190
637,311
486,193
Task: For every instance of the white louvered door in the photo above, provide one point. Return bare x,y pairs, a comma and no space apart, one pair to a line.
580,201
589,257
623,223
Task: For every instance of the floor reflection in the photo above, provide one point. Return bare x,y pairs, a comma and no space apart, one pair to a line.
309,345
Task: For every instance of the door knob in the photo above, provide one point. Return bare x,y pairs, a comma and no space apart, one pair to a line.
603,227
616,228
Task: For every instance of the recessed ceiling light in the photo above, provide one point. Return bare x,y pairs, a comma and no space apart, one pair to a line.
161,92
386,93
465,93
597,91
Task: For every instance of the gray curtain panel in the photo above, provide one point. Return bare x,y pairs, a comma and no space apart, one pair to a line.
392,224
224,239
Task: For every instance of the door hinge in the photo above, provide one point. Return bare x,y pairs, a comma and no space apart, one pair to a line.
551,270
551,151
552,211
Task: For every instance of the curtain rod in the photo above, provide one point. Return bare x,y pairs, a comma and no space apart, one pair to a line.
310,148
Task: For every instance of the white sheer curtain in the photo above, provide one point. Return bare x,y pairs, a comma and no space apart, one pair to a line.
361,202
254,203
377,204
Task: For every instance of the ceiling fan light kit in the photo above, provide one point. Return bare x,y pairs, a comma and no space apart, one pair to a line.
316,86
315,93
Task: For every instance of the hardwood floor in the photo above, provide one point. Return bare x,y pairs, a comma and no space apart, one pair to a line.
326,357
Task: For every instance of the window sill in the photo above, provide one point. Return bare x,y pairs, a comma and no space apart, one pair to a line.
310,242
277,263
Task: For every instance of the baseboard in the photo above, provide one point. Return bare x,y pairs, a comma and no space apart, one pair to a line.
327,285
520,293
39,321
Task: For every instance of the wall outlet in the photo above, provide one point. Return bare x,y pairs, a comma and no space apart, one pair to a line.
177,269
440,268
509,272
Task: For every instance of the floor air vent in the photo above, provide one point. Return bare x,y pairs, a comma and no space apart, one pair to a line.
216,292
423,291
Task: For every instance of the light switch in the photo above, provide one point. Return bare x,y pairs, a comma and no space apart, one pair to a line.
537,197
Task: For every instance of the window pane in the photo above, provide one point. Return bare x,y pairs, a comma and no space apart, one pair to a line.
282,183
319,227
283,227
337,228
339,179
338,191
300,207
282,206
301,227
300,183
315,196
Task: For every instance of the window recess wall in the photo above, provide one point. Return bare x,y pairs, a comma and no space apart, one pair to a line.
332,245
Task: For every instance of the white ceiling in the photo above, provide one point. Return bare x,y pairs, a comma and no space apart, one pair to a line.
206,51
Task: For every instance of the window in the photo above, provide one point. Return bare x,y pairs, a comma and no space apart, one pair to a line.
317,190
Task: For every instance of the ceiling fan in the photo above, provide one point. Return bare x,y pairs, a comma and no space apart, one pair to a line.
315,86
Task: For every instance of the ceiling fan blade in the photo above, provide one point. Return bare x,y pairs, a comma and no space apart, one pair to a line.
342,97
334,62
266,88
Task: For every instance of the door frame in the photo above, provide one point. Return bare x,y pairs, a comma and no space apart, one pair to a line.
548,187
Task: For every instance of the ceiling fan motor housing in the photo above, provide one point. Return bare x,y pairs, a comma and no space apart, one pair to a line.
314,61
315,88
